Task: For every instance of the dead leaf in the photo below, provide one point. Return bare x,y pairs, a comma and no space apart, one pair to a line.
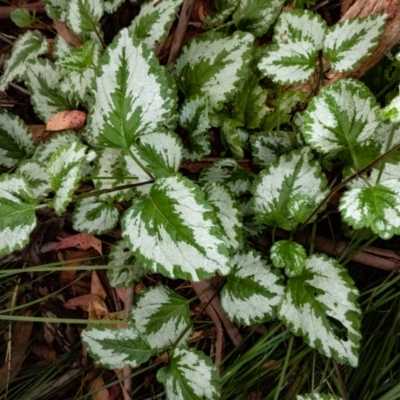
114,392
96,386
96,287
68,119
62,30
82,240
45,352
89,303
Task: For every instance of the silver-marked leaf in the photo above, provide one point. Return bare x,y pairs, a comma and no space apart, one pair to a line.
392,111
56,9
268,146
288,255
16,142
64,170
125,270
256,16
27,47
83,18
317,396
190,375
162,316
160,152
253,291
37,177
213,65
300,206
290,175
225,9
81,59
116,347
251,225
299,25
133,96
95,216
228,212
45,150
230,173
111,6
17,213
351,41
340,117
154,21
290,62
42,77
321,306
175,232
61,48
234,137
376,207
194,116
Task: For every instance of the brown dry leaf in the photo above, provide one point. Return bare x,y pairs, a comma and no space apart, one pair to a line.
121,293
66,34
68,119
89,303
82,240
45,352
39,132
96,288
114,392
97,384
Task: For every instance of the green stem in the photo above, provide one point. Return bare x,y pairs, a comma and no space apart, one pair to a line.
93,25
140,164
284,368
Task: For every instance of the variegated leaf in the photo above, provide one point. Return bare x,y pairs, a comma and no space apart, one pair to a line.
288,255
163,317
154,21
256,16
42,78
251,225
300,25
228,212
268,146
225,9
194,116
290,62
342,116
175,232
376,207
45,150
213,65
28,47
56,9
37,177
392,111
234,137
230,173
286,177
17,213
351,41
111,6
83,18
16,142
317,396
95,216
61,48
64,170
253,291
132,84
189,375
116,347
125,270
321,306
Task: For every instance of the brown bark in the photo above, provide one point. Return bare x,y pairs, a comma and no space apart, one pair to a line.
38,7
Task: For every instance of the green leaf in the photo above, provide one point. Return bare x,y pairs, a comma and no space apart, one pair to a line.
230,173
56,9
175,232
21,17
42,78
300,206
64,170
83,18
27,48
190,375
125,270
286,177
16,141
392,111
80,59
256,16
321,306
227,210
234,137
317,396
340,117
17,213
162,316
154,21
288,255
213,65
37,177
288,63
194,116
133,96
225,9
95,216
111,6
351,41
115,348
61,48
253,291
268,146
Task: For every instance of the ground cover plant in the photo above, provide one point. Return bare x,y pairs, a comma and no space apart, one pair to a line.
203,169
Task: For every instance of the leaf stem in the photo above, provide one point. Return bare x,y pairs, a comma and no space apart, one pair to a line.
134,158
284,368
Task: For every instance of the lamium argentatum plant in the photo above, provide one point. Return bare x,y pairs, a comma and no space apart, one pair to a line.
145,119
